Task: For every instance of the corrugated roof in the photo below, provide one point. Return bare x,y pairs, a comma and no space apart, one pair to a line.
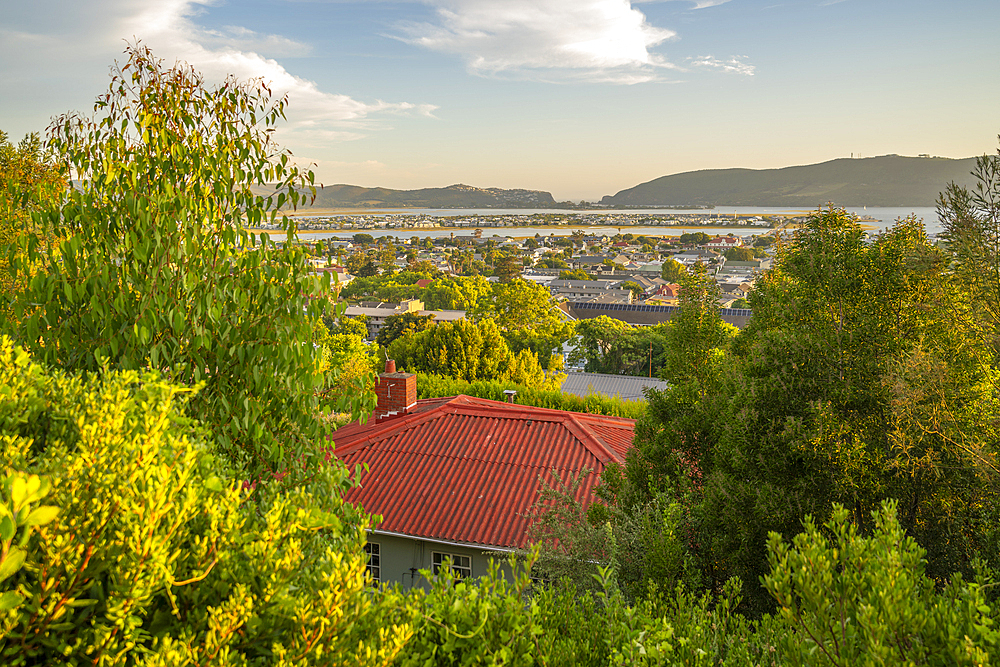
628,387
467,470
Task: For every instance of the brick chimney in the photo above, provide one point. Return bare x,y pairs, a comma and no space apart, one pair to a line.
397,392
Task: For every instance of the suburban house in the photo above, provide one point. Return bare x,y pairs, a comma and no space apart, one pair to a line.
644,314
455,478
724,242
377,313
582,290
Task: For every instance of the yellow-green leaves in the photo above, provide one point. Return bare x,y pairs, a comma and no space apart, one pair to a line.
156,269
153,556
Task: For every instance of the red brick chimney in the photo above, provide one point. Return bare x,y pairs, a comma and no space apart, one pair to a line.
397,392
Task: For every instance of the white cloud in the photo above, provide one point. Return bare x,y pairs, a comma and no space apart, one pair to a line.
735,64
698,4
315,117
587,40
86,32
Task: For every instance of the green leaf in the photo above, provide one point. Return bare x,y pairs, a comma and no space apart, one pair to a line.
10,600
12,563
214,484
18,492
42,515
7,528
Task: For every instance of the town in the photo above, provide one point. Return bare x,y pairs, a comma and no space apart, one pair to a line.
398,220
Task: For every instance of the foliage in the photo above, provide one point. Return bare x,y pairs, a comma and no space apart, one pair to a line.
362,265
642,544
697,336
484,621
389,289
850,384
578,274
433,386
739,254
525,312
527,316
971,222
697,238
348,364
29,182
551,263
402,324
155,269
462,293
859,387
672,270
154,559
854,600
615,347
466,350
508,267
637,290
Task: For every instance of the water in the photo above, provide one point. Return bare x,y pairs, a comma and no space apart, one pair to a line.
883,218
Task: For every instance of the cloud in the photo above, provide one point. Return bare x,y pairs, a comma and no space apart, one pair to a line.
315,117
698,4
85,32
549,40
735,64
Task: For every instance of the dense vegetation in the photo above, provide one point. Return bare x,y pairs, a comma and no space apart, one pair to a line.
819,488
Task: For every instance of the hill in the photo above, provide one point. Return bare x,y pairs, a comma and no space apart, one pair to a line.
453,196
887,180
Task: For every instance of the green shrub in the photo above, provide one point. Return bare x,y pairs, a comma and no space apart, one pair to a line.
846,599
432,386
153,558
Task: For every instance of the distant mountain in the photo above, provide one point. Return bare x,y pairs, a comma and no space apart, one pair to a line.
453,196
888,180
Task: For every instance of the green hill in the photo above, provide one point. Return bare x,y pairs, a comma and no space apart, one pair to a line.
453,196
887,180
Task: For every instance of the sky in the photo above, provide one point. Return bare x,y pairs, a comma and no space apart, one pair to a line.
581,98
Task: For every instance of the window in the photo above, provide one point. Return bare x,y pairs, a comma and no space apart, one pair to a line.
461,566
374,561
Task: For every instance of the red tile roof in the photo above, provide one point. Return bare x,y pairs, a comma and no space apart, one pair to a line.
467,470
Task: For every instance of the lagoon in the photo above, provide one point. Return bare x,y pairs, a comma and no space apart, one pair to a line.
879,218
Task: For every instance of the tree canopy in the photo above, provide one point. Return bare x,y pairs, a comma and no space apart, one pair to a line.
468,351
154,267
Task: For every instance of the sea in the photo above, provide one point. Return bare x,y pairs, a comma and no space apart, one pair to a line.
877,218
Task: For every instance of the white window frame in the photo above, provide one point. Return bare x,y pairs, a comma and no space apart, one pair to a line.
461,565
374,564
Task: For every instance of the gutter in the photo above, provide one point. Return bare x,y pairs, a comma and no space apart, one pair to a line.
481,547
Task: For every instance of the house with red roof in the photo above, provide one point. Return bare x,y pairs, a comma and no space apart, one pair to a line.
724,242
454,478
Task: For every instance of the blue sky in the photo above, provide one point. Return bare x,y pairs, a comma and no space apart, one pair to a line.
578,97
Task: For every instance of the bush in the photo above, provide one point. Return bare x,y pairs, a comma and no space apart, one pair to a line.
155,559
430,385
847,599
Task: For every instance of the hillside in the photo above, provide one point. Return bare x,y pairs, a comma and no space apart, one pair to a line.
453,196
888,180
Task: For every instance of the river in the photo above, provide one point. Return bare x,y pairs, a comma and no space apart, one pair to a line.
883,218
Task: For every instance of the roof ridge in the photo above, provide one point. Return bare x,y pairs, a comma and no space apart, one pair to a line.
402,422
556,413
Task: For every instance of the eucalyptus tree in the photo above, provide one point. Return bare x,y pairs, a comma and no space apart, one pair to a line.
154,267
